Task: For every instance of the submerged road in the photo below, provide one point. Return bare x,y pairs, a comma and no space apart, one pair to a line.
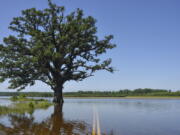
96,124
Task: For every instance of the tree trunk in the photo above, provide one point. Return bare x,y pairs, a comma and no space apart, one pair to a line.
57,120
58,96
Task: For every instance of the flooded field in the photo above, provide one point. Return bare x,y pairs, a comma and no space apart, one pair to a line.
97,116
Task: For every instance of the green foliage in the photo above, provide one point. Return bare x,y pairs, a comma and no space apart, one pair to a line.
23,107
124,93
28,94
52,47
31,105
22,97
14,98
120,93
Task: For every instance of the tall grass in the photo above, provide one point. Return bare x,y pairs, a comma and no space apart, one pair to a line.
23,97
23,107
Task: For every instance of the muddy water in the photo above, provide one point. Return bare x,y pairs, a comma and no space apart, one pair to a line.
97,116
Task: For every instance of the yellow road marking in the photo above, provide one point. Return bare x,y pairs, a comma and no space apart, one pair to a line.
96,124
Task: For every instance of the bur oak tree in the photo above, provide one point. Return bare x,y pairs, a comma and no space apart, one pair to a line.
53,47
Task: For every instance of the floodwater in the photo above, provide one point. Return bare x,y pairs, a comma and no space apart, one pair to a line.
97,117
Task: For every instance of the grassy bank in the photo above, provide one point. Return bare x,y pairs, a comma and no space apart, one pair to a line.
23,97
22,104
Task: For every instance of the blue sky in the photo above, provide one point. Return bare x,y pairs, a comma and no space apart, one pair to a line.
147,34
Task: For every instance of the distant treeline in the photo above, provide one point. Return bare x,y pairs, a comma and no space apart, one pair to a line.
123,93
120,93
28,94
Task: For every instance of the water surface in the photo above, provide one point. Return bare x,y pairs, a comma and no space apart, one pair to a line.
115,117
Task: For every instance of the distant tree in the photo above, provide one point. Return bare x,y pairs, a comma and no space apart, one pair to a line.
52,47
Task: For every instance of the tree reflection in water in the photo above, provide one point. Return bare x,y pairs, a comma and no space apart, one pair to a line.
55,125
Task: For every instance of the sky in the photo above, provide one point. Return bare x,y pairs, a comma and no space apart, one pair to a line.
146,32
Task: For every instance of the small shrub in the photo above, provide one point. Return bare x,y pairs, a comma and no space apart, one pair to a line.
22,96
14,98
31,105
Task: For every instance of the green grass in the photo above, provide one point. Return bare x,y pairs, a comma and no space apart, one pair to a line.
23,97
23,107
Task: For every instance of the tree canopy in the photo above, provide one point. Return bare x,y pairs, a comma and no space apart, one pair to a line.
53,47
